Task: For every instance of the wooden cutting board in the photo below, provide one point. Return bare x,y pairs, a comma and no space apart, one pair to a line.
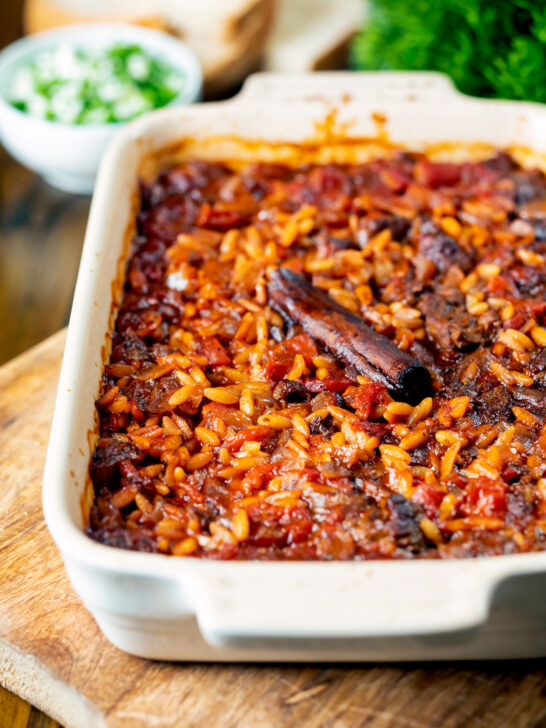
53,655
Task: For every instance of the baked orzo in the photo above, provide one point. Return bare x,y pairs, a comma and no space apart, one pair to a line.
227,431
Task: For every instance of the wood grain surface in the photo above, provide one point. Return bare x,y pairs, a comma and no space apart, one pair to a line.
41,236
17,713
53,655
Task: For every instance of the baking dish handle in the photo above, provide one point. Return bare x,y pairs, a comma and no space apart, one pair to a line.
284,605
342,86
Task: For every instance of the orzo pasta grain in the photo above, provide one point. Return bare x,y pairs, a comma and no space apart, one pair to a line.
228,432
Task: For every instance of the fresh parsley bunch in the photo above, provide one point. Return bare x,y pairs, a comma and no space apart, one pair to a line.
489,47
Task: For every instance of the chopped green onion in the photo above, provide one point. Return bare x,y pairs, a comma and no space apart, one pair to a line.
74,86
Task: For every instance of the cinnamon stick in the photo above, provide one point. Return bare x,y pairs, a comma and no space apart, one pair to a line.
346,336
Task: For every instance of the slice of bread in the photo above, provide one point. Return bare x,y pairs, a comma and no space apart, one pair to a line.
312,35
44,14
227,64
212,20
219,19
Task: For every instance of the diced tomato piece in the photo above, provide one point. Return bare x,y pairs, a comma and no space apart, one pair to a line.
335,219
510,473
537,308
437,174
274,526
304,345
329,178
394,178
516,322
364,397
281,358
277,366
334,383
429,497
498,286
477,173
236,442
526,308
486,498
224,552
214,351
226,412
225,219
257,477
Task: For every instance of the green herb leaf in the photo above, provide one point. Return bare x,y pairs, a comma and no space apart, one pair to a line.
94,87
489,48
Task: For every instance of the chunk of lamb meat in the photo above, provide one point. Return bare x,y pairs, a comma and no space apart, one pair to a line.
376,222
106,462
493,405
403,524
142,539
449,325
537,368
290,391
534,213
153,395
440,248
529,185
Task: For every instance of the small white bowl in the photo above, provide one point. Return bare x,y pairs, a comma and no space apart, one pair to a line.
68,155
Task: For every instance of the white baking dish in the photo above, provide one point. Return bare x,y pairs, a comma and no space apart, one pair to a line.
185,609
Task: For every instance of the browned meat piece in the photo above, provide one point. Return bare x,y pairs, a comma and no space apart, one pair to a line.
449,324
377,429
139,477
177,213
129,349
346,336
223,218
529,185
530,280
443,250
121,538
376,222
327,245
105,466
520,511
404,522
534,210
502,163
471,545
322,426
534,213
493,405
153,395
290,391
407,289
537,368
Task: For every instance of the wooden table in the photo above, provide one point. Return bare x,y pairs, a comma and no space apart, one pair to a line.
41,236
41,616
